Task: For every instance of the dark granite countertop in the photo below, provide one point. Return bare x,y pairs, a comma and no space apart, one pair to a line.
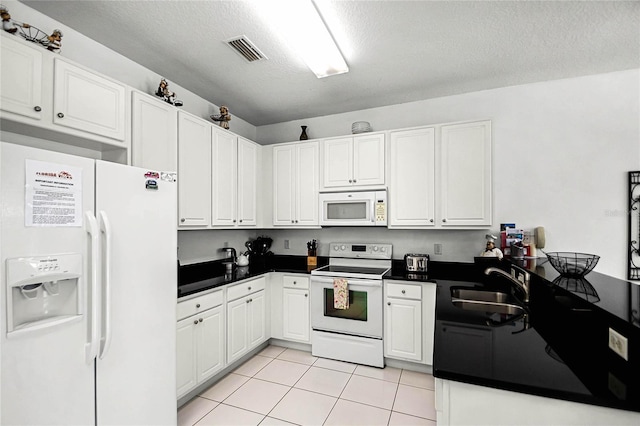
204,276
558,350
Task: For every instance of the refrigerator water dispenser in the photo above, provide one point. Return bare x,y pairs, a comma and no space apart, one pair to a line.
43,291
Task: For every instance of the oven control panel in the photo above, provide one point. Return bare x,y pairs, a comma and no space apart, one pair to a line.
361,250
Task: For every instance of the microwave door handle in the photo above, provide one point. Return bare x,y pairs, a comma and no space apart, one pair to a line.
373,211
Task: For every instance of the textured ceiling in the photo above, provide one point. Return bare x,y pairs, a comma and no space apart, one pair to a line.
397,51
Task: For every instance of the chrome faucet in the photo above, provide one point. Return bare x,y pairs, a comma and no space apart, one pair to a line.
518,277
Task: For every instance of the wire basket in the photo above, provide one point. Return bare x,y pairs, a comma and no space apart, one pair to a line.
571,264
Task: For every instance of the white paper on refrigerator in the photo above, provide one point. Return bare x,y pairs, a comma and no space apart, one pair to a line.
53,194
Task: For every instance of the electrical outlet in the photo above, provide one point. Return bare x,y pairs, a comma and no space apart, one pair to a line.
618,343
437,248
286,244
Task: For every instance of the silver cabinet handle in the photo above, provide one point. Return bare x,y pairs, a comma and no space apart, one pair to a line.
37,108
60,115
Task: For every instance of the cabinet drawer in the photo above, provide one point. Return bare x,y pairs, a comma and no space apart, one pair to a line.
245,288
295,282
404,291
199,304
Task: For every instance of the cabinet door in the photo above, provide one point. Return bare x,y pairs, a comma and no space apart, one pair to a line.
257,319
412,178
403,333
224,178
154,134
295,314
465,156
186,355
284,185
307,182
210,332
338,162
21,79
368,160
86,101
247,182
237,328
194,171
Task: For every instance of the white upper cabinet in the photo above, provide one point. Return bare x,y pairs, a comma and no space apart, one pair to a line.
40,89
412,178
87,101
465,174
247,182
194,171
234,180
224,177
354,161
295,184
154,133
21,79
440,176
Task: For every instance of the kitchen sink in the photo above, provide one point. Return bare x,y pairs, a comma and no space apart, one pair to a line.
485,301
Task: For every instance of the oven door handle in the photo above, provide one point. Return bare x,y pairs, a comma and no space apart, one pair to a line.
350,281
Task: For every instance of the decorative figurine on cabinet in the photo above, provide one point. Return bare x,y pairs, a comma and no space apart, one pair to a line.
55,41
490,249
8,24
167,95
223,118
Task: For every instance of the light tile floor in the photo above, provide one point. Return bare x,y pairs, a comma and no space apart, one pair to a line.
282,386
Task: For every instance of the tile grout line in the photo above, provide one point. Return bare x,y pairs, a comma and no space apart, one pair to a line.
290,388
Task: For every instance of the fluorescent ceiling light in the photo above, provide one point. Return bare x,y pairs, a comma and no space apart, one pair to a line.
301,25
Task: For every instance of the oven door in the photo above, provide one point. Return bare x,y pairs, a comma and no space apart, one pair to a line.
362,318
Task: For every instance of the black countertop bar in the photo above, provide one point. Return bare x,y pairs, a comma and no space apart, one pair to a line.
203,276
558,350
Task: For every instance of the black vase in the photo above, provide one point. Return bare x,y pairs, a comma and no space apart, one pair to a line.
303,135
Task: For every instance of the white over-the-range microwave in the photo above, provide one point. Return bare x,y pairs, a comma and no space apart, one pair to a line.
357,208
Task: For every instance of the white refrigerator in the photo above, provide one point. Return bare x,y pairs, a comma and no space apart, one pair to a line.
88,269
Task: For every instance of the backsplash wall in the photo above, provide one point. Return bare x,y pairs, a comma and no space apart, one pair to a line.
457,245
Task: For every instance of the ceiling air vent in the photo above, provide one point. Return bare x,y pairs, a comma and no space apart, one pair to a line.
245,48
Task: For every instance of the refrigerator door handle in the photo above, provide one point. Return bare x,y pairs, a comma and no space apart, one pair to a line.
93,345
105,228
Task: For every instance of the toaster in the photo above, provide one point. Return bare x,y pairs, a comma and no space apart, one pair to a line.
416,262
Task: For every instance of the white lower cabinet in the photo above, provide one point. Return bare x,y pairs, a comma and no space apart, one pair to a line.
295,305
246,317
409,320
200,340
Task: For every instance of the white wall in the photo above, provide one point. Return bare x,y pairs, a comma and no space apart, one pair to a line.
562,150
98,57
